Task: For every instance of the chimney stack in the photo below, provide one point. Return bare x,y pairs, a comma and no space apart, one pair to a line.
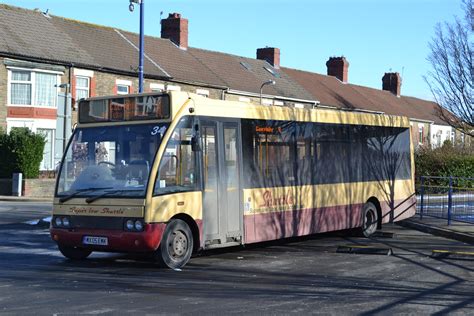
175,28
392,82
338,67
270,54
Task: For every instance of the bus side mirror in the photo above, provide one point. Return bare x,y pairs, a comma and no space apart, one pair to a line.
195,146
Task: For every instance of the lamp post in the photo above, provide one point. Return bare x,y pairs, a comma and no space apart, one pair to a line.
269,82
131,7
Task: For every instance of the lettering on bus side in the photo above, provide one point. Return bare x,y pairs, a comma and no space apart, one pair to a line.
91,211
269,200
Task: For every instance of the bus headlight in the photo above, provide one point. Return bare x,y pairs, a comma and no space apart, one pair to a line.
66,222
138,225
58,222
134,224
62,222
129,224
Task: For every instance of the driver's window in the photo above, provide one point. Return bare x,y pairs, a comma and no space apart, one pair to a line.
177,171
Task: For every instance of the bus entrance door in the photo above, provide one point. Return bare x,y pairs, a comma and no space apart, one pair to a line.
222,216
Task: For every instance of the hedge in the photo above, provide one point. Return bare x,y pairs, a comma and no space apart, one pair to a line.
446,161
21,151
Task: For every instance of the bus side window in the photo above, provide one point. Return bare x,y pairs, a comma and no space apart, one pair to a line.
177,170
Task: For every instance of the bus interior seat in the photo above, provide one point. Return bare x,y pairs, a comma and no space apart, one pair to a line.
138,170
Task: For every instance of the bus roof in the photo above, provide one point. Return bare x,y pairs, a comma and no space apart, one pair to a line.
235,109
204,106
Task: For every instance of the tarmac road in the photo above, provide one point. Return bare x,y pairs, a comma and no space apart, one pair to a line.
20,211
298,276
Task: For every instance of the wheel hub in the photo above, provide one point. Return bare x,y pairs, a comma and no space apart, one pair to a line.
179,244
370,223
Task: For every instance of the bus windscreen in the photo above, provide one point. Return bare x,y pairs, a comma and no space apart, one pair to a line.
121,109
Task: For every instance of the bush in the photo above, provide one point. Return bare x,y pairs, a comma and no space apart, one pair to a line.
446,161
21,151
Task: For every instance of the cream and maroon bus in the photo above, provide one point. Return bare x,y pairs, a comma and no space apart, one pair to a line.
174,173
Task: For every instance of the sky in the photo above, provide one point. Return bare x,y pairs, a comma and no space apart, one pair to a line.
375,36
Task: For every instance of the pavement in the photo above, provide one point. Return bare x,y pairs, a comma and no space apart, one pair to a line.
460,231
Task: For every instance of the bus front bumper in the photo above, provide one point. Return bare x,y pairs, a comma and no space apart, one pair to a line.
147,240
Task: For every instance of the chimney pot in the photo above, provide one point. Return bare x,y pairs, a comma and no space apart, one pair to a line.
338,67
175,28
391,81
270,54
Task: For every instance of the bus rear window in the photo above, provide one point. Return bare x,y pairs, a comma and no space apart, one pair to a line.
120,109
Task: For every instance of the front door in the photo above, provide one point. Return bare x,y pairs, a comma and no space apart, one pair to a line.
222,215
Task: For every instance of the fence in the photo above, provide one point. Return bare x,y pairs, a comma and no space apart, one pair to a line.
450,198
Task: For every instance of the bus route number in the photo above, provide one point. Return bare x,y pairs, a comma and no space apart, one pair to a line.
158,130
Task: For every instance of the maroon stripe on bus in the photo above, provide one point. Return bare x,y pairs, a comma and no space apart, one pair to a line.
284,224
276,225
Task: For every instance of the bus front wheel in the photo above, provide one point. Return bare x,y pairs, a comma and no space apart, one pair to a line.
74,253
176,245
370,219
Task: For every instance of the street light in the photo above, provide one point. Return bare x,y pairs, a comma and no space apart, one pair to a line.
269,82
131,7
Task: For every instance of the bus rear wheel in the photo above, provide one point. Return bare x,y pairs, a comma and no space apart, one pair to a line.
176,245
74,253
370,219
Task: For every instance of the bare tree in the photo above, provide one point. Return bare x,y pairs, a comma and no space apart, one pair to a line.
451,79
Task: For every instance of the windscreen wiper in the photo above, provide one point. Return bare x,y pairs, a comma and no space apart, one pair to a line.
93,198
70,196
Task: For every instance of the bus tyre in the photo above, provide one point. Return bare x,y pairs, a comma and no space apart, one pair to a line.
74,253
370,219
176,245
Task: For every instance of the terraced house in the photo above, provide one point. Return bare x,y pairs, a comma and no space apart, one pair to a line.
44,58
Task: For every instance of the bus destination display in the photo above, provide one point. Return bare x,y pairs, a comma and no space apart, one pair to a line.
120,109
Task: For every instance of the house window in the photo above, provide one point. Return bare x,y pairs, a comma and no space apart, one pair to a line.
278,103
202,92
453,134
123,89
45,89
82,87
21,87
244,99
48,154
173,88
462,138
33,88
157,87
420,134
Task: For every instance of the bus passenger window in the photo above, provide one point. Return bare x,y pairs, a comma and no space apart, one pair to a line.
177,171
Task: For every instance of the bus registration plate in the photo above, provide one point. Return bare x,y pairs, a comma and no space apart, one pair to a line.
95,240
